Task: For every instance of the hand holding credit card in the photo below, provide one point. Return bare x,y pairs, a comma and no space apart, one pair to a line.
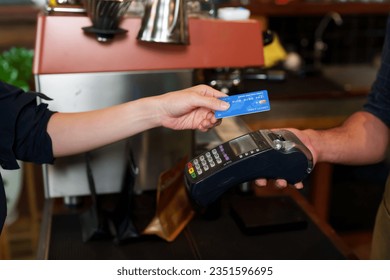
245,103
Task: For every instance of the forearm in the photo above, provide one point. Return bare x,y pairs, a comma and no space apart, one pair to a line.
361,139
191,108
73,133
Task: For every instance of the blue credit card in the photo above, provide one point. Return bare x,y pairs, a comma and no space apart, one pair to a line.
245,103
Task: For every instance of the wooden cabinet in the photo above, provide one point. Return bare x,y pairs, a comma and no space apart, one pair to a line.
17,26
300,7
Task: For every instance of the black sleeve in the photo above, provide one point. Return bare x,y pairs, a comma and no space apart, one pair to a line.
23,126
378,101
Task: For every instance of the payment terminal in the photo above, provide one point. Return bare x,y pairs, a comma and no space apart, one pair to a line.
260,154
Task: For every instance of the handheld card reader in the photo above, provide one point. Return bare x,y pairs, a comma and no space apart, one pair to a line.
259,154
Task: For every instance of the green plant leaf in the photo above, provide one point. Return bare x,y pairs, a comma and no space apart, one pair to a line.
16,66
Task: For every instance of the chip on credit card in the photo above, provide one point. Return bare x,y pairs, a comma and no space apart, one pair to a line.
245,103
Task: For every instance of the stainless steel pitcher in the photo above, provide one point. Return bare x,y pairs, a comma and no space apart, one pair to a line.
165,21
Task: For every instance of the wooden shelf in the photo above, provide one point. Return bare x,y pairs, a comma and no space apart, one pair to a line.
17,13
17,26
296,8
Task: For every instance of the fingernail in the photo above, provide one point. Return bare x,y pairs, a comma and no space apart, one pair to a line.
225,105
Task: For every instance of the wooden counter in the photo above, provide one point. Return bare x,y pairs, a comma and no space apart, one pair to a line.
214,235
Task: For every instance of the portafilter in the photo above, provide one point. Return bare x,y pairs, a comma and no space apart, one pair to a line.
105,16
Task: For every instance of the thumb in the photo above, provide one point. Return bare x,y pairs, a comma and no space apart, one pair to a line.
213,103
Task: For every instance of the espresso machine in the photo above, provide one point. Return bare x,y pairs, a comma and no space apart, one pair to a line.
98,55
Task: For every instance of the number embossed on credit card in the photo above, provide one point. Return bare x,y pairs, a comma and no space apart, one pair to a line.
245,103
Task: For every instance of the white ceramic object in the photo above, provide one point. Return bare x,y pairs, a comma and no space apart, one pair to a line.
39,3
233,13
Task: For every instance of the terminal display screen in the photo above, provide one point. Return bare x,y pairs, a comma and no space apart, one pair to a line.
243,145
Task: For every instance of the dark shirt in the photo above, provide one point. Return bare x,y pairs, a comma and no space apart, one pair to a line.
23,134
378,101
